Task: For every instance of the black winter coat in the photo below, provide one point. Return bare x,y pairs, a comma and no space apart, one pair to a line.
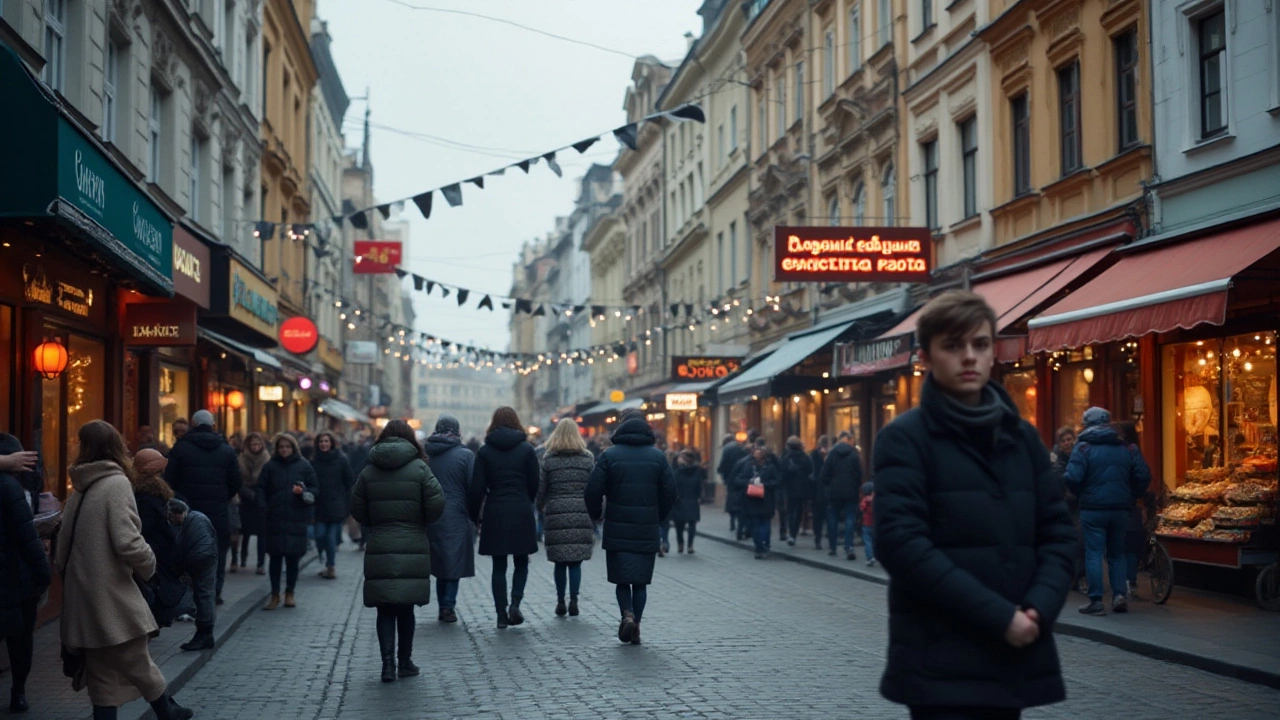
817,459
204,471
286,514
150,496
968,535
763,507
504,484
689,481
197,544
842,473
730,457
637,481
335,480
453,536
797,475
24,568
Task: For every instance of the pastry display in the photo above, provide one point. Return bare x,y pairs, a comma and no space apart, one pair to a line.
1227,536
1179,531
1237,516
1202,491
1208,475
1259,465
1187,513
1246,493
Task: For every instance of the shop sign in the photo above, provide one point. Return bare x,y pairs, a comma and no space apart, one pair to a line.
253,301
190,267
330,355
377,257
160,324
685,367
362,352
299,335
271,393
66,296
685,402
851,254
60,286
866,358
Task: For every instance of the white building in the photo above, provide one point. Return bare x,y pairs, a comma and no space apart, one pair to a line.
467,394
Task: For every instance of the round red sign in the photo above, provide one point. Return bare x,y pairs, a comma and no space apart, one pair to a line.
299,335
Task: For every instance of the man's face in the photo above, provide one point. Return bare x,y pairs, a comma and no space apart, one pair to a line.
284,449
1066,444
758,456
961,364
179,429
176,519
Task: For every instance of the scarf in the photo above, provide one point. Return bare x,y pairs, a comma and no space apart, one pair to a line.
251,465
979,423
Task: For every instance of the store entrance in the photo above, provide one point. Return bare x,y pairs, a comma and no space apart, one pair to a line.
68,402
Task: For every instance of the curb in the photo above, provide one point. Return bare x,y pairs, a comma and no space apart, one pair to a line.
1140,647
180,669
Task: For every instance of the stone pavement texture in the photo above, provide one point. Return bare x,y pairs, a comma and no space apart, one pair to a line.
1224,635
725,636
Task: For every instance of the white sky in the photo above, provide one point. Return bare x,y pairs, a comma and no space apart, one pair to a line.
511,93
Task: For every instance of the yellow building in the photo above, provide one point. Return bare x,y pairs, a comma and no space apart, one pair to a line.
288,75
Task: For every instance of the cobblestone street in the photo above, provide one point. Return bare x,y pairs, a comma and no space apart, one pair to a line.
726,636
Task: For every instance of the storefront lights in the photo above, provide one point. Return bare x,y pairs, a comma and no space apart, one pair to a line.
50,359
235,399
305,383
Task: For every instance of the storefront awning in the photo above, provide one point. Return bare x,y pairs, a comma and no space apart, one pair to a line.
259,356
611,408
343,411
757,379
1156,289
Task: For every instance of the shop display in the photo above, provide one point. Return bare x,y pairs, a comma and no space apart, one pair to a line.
1187,513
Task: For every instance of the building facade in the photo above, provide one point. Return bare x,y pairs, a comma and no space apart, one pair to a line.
467,394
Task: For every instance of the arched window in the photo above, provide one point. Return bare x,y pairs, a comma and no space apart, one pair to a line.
860,206
833,211
888,192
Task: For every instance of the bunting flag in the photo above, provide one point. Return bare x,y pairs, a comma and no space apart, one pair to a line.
400,273
337,221
462,296
431,284
688,309
418,282
359,221
582,145
524,306
687,112
487,302
597,311
385,211
264,230
423,201
627,135
452,194
675,309
444,291
540,312
551,163
523,165
505,305
478,181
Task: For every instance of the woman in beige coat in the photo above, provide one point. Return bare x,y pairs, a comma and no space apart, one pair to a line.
100,552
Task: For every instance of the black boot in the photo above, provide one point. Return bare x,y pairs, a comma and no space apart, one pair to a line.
388,667
514,615
203,640
387,645
561,610
102,712
407,668
573,605
166,708
18,702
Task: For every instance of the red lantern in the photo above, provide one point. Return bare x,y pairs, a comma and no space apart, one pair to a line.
50,359
235,399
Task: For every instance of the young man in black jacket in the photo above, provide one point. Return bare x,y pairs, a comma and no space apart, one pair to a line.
972,528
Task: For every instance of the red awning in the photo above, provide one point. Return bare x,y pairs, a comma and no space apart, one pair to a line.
1156,290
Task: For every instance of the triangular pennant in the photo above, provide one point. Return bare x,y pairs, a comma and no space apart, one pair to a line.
597,311
523,165
400,273
462,296
478,181
627,135
423,202
506,306
541,311
385,210
577,309
418,281
444,291
675,309
582,145
452,194
551,163
487,302
359,221
431,284
524,306
687,112
336,220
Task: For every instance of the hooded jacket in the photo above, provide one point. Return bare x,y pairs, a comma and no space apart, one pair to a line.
286,513
251,465
397,498
24,568
504,483
453,536
204,472
761,507
842,473
1104,472
689,481
797,475
335,480
197,543
636,480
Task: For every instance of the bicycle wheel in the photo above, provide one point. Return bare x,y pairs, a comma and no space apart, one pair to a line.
1160,567
1269,588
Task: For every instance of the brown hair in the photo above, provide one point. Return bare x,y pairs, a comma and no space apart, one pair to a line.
1063,431
399,429
333,441
99,440
505,417
952,314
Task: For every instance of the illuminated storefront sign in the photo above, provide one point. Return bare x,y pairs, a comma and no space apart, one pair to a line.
253,301
851,254
685,402
703,368
271,393
377,257
867,358
164,324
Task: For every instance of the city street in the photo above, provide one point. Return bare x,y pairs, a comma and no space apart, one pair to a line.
725,636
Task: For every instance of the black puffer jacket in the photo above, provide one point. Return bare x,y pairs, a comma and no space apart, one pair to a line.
204,471
637,481
797,475
504,484
286,513
335,479
818,458
689,480
197,543
969,534
761,507
24,568
842,473
732,454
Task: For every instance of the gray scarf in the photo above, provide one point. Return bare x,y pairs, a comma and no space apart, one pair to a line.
980,423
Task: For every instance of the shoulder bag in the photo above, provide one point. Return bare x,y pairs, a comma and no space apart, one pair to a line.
73,658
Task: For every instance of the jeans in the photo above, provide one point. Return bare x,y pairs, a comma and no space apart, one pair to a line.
760,532
869,542
1104,533
796,517
1131,567
632,598
573,571
837,509
964,712
22,645
202,585
664,534
819,516
224,547
395,620
540,519
447,593
783,516
518,579
244,551
681,527
290,563
327,535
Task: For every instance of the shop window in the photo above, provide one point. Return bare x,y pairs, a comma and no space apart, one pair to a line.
1021,386
1212,37
175,400
847,417
7,368
67,402
771,423
1074,375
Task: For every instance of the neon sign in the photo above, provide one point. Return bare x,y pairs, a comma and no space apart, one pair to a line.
852,254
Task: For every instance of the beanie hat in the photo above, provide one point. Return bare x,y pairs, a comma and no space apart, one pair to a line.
149,462
177,507
447,424
1096,416
202,417
868,488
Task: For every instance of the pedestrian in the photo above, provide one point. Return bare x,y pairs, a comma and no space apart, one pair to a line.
306,445
504,484
570,534
195,556
633,488
100,549
972,529
1064,440
759,482
335,480
397,498
1135,536
731,451
286,493
24,577
797,481
453,536
236,441
204,471
253,457
145,439
868,507
841,478
152,494
1108,475
358,458
179,428
818,506
686,514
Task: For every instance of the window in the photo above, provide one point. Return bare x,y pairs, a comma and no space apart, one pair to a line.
721,261
885,17
266,74
733,128
764,123
930,152
1069,116
733,254
154,128
855,37
1213,41
926,14
197,149
228,201
833,211
110,82
799,89
746,250
829,64
859,206
889,192
1126,50
781,84
228,46
720,145
55,43
1020,110
969,164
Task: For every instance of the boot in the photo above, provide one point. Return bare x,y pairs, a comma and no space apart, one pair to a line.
503,620
203,640
387,646
513,612
273,603
690,547
102,712
561,610
573,606
18,702
166,708
388,666
680,547
289,601
635,634
407,668
447,615
627,627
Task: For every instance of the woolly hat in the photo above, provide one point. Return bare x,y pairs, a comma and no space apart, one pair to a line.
868,488
202,418
149,462
1096,416
447,424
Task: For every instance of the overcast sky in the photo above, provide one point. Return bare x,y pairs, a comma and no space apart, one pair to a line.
505,93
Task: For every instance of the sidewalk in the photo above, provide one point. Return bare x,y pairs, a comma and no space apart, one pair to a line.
51,695
1219,634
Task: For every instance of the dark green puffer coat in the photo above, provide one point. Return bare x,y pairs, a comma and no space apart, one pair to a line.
396,498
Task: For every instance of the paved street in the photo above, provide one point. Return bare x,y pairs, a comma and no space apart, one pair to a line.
726,636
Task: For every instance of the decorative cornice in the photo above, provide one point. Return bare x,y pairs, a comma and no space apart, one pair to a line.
1014,52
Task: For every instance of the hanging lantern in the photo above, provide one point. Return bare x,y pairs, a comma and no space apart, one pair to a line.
235,399
50,359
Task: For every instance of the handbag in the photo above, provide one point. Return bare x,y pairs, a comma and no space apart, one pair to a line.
755,491
73,659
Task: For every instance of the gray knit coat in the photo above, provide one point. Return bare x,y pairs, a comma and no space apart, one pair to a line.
567,530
